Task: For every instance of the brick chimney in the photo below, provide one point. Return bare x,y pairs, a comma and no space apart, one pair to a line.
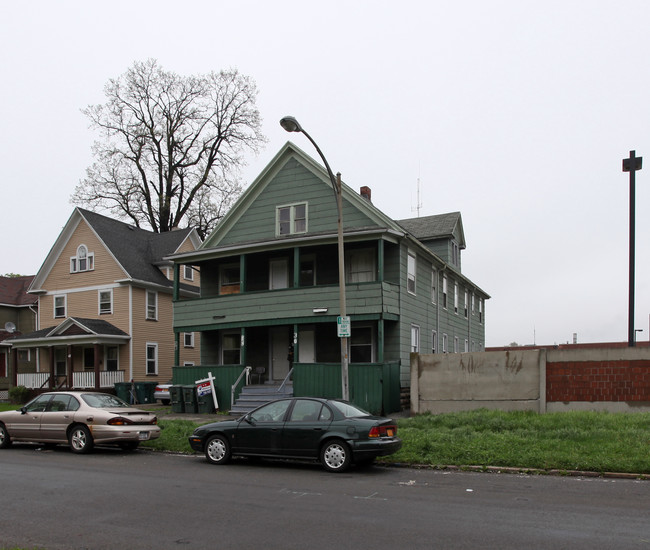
366,193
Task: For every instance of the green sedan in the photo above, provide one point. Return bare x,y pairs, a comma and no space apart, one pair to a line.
334,432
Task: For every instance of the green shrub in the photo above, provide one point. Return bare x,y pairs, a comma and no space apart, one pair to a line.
19,394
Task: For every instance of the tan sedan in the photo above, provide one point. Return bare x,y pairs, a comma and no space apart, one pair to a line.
80,419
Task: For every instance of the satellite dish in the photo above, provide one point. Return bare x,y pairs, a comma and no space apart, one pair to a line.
10,327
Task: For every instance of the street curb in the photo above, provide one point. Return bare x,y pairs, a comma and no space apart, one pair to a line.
519,471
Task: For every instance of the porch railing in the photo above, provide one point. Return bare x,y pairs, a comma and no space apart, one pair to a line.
82,380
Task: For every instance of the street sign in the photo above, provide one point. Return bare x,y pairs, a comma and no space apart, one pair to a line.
343,328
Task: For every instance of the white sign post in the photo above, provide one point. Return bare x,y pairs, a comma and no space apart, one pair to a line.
343,327
206,386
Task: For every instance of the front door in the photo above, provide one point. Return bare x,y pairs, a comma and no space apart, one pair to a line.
280,345
278,274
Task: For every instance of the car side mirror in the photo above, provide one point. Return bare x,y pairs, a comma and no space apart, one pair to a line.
249,419
23,410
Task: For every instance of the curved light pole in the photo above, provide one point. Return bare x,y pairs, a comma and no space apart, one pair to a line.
290,124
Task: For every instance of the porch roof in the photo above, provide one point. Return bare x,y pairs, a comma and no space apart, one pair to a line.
74,330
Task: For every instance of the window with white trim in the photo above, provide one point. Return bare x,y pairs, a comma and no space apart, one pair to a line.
466,304
83,261
434,285
152,358
105,302
444,343
152,305
188,273
411,270
60,306
291,219
444,291
466,345
456,348
480,310
434,341
229,276
415,338
188,339
455,297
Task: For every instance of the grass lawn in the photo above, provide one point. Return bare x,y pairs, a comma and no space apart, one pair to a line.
589,441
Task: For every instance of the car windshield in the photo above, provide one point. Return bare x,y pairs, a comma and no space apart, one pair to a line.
103,400
348,410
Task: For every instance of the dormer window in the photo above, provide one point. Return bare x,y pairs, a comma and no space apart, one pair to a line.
83,261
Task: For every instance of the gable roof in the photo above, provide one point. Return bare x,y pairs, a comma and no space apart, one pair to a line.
287,152
13,291
434,227
76,329
137,251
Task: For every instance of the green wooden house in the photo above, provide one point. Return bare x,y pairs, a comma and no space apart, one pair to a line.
270,295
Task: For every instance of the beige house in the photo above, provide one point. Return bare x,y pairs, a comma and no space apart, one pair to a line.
105,306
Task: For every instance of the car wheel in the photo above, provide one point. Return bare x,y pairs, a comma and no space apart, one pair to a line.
335,456
80,439
5,440
217,449
165,402
129,445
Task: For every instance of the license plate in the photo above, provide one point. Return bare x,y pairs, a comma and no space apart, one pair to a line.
144,436
390,432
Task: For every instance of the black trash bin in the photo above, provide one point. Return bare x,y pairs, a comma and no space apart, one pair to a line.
189,399
144,392
176,396
205,403
122,390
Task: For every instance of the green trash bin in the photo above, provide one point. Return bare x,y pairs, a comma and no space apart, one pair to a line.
205,403
189,399
122,390
176,396
144,392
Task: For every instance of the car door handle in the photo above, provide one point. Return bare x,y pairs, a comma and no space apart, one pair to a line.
317,429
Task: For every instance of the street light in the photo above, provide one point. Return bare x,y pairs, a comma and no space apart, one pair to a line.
290,124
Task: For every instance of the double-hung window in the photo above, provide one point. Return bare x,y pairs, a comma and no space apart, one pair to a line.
59,306
411,270
152,358
444,291
231,348
434,285
105,302
455,297
152,305
291,219
188,339
415,338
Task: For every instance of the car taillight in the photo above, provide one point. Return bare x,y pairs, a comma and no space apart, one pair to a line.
119,421
383,431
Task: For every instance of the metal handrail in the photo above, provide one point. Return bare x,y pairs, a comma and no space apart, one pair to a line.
247,372
285,380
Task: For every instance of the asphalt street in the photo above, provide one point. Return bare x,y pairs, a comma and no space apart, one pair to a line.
54,499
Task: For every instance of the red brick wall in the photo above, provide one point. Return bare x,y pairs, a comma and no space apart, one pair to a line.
598,381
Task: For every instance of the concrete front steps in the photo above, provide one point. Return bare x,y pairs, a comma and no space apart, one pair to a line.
252,397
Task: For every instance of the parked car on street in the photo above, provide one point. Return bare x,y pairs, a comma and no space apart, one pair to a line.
80,419
334,432
162,393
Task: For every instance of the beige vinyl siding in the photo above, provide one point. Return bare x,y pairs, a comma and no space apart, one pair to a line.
147,331
105,271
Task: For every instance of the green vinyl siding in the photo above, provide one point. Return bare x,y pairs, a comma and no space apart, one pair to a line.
291,185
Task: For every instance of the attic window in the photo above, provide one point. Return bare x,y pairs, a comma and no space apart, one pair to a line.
291,219
83,261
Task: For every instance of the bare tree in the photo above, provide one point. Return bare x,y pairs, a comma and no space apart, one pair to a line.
172,147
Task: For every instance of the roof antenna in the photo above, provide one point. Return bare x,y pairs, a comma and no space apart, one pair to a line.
418,205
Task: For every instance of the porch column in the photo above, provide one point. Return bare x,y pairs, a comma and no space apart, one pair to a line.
51,378
14,360
97,378
69,363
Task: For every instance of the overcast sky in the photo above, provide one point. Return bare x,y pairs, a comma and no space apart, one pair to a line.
516,113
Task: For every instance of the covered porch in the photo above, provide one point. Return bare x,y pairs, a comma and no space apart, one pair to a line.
77,354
